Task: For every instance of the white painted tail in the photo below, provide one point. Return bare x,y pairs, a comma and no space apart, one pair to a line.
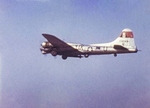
126,39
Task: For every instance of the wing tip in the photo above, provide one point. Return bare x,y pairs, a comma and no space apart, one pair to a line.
47,35
44,34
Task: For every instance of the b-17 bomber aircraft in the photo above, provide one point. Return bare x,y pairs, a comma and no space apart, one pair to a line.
123,44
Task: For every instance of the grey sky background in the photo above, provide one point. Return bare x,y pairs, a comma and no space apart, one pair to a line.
29,79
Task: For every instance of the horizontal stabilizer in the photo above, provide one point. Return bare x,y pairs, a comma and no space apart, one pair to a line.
120,47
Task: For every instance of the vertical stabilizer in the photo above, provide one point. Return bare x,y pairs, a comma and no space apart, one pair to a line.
126,39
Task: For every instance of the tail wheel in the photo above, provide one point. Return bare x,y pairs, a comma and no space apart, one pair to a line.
86,55
115,54
64,57
54,53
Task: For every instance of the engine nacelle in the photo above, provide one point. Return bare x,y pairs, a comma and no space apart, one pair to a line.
46,45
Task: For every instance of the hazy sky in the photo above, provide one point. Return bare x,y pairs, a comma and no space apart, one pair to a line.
32,80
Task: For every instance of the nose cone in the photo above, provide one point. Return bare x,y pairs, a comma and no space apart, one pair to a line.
43,44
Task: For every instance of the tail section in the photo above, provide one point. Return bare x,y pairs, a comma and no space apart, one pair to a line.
126,39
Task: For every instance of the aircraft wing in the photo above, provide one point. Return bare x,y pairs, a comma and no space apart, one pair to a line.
55,41
120,47
62,47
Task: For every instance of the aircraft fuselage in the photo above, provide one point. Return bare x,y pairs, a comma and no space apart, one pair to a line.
123,44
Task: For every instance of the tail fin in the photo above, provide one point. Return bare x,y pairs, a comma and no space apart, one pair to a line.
126,39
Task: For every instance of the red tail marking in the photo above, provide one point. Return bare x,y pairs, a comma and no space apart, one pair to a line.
127,34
